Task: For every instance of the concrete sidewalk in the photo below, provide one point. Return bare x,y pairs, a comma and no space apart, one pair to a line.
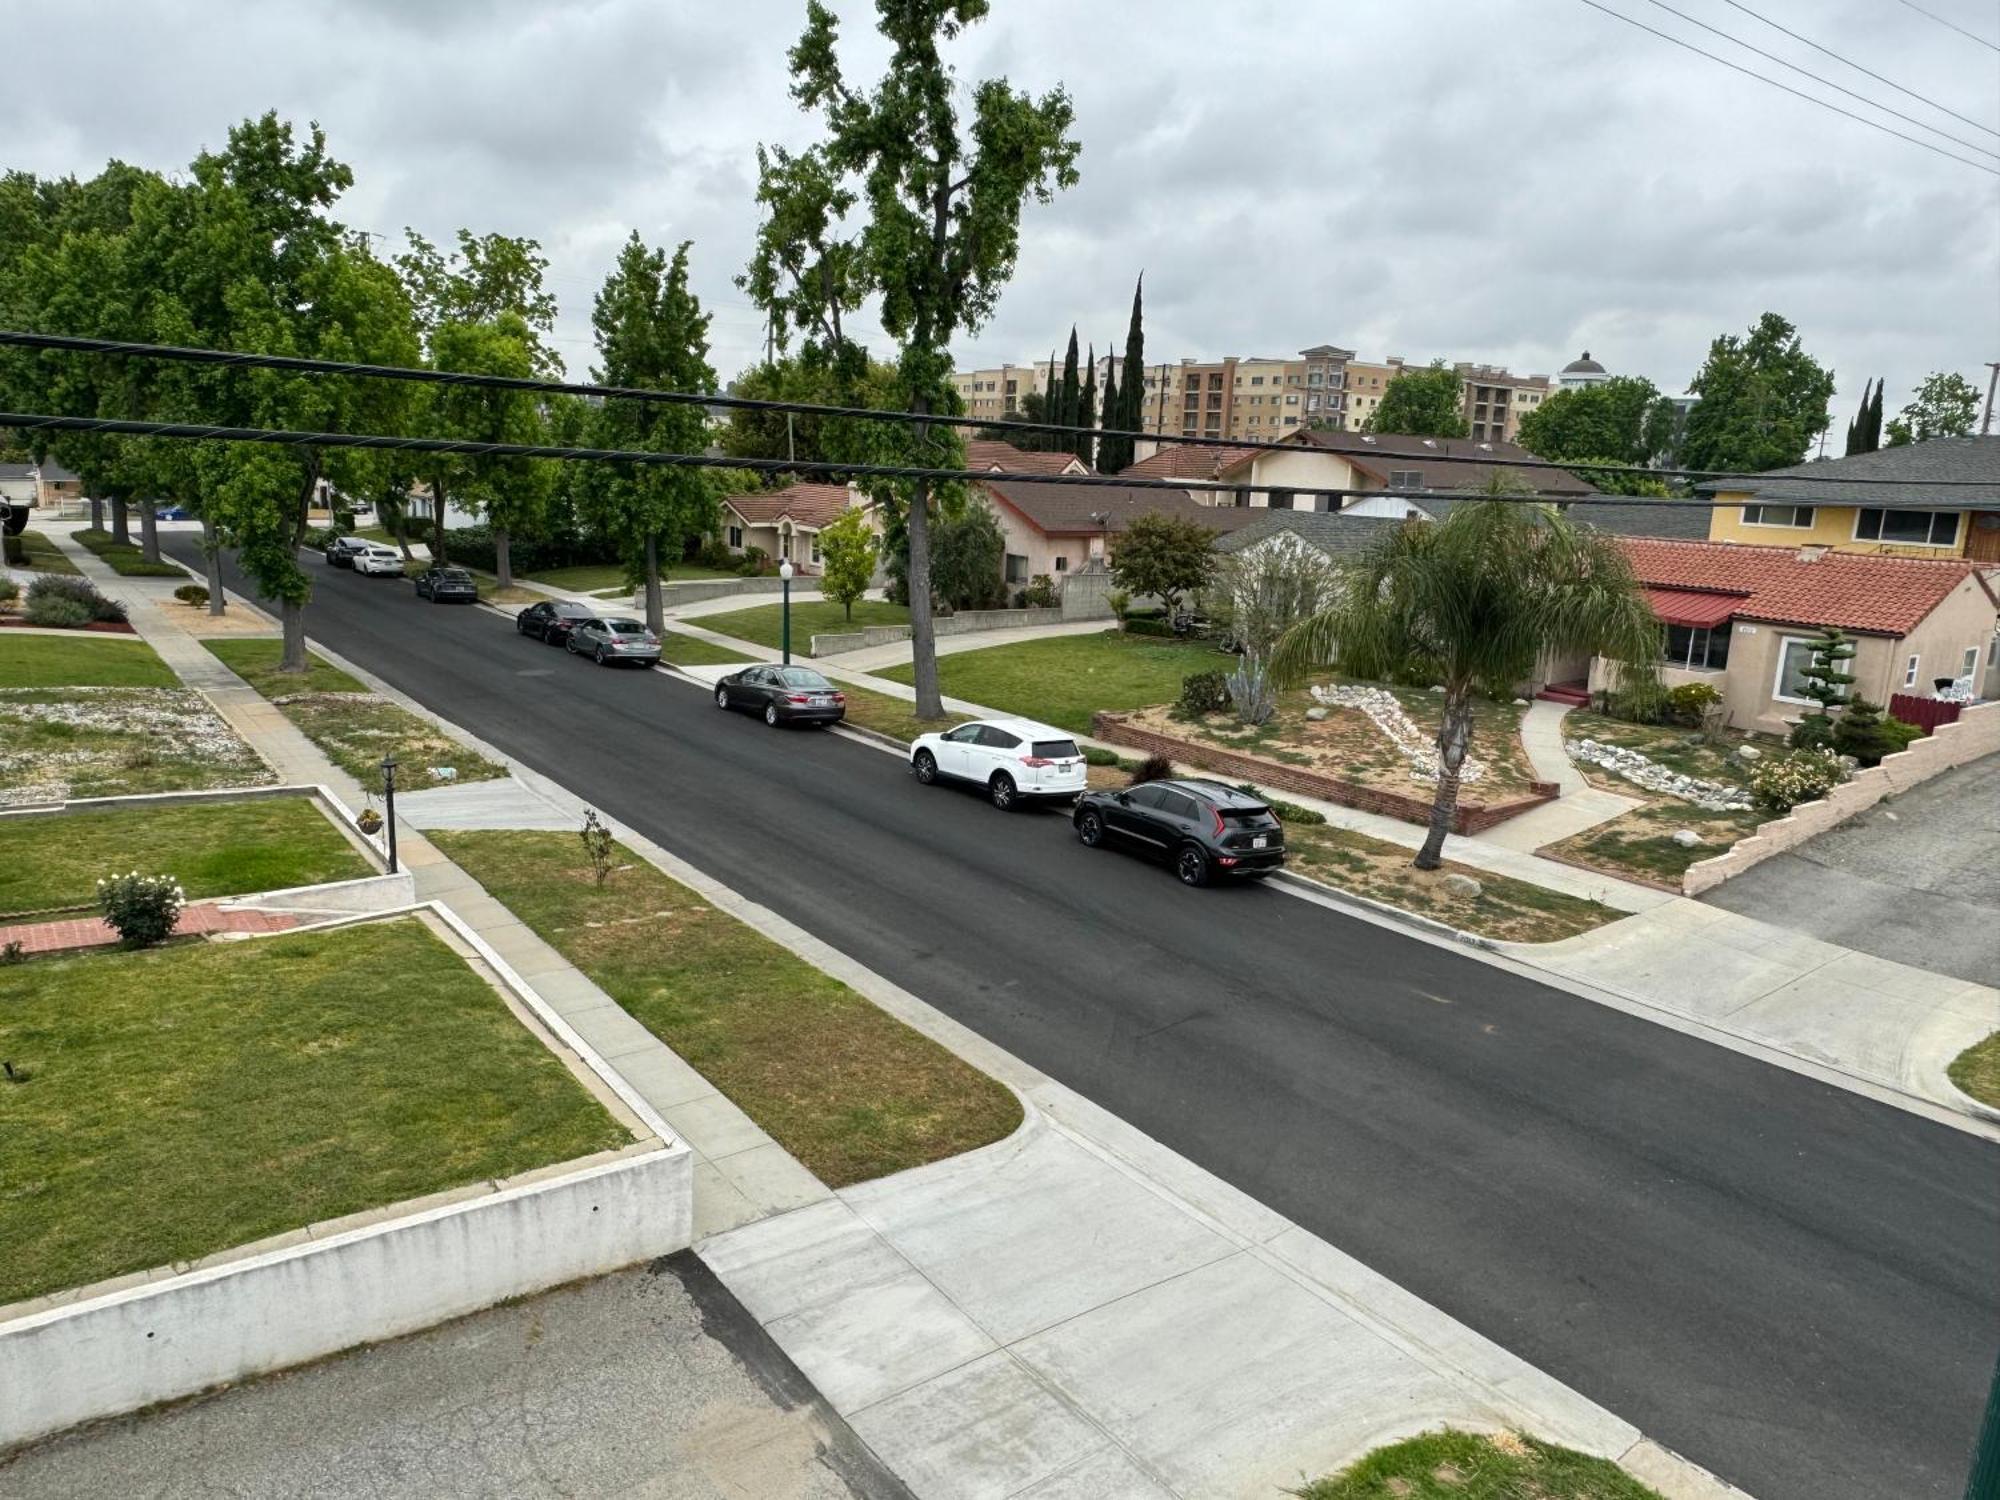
897,653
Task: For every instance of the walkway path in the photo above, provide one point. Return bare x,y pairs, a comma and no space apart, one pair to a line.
94,932
897,653
1580,804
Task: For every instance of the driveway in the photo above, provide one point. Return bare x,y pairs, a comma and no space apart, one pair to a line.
1916,880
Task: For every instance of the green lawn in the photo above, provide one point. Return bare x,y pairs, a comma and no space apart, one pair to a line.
39,553
196,1097
80,660
687,651
126,559
1065,679
845,1087
212,849
895,717
355,728
763,623
1452,1465
1976,1070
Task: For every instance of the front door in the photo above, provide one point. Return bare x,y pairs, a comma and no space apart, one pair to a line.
1982,544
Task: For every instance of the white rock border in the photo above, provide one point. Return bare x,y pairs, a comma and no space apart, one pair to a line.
1714,796
1386,710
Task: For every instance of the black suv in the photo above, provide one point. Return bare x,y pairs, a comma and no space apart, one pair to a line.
1203,828
553,620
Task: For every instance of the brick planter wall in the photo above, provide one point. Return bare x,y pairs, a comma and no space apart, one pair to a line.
1470,817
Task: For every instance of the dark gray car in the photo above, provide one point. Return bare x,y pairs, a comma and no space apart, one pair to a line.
783,695
1203,829
447,586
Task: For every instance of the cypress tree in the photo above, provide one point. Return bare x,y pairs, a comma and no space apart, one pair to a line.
1875,419
1117,454
1086,410
1072,392
1864,433
1113,406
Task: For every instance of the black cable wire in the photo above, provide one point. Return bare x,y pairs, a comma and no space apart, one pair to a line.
236,358
1795,93
1828,51
286,437
1828,82
1952,25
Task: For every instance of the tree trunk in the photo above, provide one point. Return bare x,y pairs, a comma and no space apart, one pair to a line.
399,527
149,532
1454,736
438,501
503,562
656,610
121,530
292,612
96,512
211,552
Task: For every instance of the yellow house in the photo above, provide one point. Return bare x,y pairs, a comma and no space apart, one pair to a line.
1934,499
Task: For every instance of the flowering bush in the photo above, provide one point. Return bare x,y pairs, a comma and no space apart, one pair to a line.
1802,776
142,909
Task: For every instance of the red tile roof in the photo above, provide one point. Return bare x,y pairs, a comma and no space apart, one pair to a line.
1854,591
813,505
990,453
1692,607
1186,461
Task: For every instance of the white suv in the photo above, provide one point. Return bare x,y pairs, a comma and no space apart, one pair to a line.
1016,760
379,561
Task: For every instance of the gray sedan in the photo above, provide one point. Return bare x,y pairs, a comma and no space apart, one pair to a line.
614,639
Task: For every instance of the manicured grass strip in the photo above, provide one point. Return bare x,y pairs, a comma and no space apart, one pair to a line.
127,559
81,660
1976,1070
895,717
592,578
255,660
763,624
1453,1465
1065,679
845,1087
212,849
1506,909
353,727
33,550
687,651
201,1096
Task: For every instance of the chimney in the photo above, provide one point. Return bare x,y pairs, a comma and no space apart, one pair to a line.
1811,553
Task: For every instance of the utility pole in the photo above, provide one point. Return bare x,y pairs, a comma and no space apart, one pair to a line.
1986,422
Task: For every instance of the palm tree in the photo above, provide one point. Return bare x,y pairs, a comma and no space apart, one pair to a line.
1471,603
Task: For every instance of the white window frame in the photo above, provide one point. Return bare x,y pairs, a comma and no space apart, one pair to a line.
1886,511
1792,525
814,535
736,537
1968,661
1785,643
1910,670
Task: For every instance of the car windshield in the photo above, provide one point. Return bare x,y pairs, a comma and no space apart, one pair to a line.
800,677
624,627
454,575
572,611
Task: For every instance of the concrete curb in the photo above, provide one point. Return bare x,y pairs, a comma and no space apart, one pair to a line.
1318,890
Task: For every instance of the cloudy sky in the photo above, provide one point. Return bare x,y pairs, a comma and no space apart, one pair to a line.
1509,181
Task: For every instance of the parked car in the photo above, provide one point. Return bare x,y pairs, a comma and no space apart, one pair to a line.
375,560
553,619
615,639
1203,829
1016,760
445,585
340,550
173,513
783,695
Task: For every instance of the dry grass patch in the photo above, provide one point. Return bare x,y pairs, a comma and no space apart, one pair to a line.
62,742
845,1087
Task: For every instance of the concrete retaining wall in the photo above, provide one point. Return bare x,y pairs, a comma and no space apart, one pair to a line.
363,897
1470,817
1976,734
172,1338
696,591
965,621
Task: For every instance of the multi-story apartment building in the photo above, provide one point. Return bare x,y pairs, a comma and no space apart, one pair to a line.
1362,390
1496,400
997,393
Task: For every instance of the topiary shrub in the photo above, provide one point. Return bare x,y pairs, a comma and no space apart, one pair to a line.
55,612
141,909
192,594
1202,693
1868,734
1813,732
1778,786
1152,768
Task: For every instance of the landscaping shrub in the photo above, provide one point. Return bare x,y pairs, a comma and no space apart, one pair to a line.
714,554
1813,732
1096,756
1041,592
142,909
14,550
1691,703
1283,811
318,537
1148,625
472,547
1865,732
1638,703
9,591
80,590
754,562
1782,784
1120,601
1202,693
1152,768
1251,692
192,594
55,612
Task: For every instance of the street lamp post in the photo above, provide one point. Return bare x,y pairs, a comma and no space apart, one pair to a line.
785,575
389,803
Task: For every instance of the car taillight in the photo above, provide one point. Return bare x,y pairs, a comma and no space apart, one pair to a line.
1216,813
797,698
840,697
1035,761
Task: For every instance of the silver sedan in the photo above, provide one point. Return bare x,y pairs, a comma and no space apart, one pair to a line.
614,639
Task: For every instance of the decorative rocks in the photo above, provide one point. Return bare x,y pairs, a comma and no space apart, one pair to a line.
1462,885
1715,796
1687,838
1381,705
1315,714
1749,754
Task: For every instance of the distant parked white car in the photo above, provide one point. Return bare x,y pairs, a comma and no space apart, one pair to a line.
379,561
1016,760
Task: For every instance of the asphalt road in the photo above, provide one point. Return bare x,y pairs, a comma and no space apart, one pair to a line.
1790,1284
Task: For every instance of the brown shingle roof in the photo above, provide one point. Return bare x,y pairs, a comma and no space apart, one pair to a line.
813,505
1852,590
1444,463
1071,509
991,453
1186,461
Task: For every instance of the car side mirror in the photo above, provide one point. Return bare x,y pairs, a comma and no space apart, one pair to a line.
1124,797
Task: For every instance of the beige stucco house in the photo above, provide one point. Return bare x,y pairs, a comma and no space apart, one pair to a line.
785,524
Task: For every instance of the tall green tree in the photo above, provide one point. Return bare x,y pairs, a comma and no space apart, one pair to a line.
1763,401
1422,403
802,437
1112,404
1084,446
1114,455
1164,555
1864,429
847,550
1946,405
943,197
1604,421
651,331
1472,603
1068,403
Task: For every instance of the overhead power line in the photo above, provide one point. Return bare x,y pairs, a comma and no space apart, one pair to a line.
1953,25
290,438
1829,52
1828,82
237,358
1787,88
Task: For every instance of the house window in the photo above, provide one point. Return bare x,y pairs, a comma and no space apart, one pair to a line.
1062,564
1291,400
1017,568
1696,647
736,537
1795,654
1256,379
1912,528
1910,671
1778,515
815,546
1406,479
1969,662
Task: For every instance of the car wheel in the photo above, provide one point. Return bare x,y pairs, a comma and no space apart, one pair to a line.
1191,865
1001,790
721,696
599,655
1090,829
925,765
771,714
